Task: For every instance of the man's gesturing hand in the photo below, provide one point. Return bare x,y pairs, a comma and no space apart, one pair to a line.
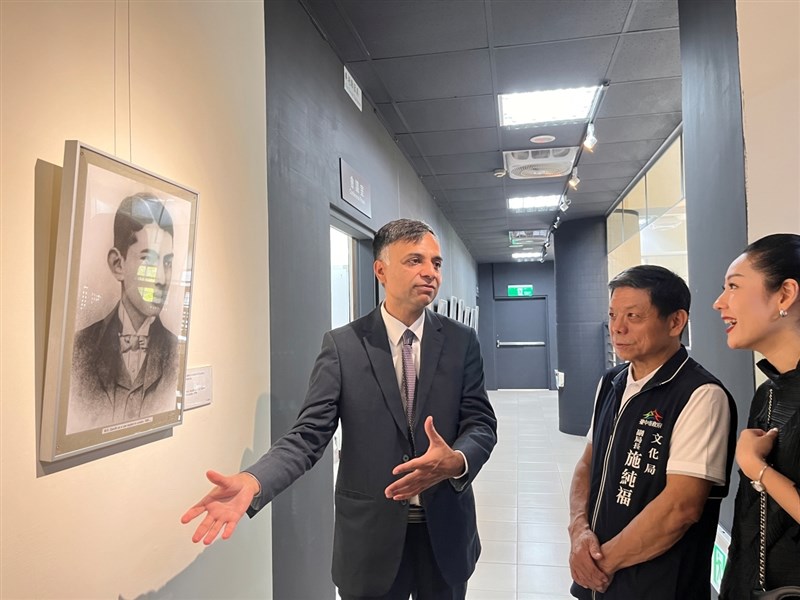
225,504
440,462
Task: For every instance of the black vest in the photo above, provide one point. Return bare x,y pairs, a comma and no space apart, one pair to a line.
630,451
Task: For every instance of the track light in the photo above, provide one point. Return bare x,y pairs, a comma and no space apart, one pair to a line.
557,222
574,180
591,140
564,204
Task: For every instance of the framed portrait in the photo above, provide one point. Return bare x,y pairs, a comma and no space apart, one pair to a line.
467,316
441,307
453,308
120,305
475,313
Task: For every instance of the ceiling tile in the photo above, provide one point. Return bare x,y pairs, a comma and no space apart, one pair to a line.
409,27
515,22
450,113
648,55
641,127
464,180
574,63
483,162
436,75
641,98
444,142
654,15
620,152
611,170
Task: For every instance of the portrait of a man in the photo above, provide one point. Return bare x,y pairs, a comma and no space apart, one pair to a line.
125,365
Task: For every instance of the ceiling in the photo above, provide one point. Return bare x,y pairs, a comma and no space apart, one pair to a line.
433,70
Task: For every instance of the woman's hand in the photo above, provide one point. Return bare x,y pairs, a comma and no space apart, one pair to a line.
752,449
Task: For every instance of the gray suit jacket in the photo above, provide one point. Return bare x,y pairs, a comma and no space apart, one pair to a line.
354,381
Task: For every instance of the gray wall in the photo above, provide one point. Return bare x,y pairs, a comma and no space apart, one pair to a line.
581,310
311,123
493,280
715,187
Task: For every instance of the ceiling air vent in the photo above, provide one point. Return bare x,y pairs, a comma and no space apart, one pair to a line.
536,164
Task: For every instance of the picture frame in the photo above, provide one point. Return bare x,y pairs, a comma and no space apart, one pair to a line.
120,305
441,307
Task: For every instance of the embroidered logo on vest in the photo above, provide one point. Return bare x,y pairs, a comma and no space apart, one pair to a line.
652,418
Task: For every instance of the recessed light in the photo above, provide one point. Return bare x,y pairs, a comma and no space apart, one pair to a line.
547,106
499,173
543,139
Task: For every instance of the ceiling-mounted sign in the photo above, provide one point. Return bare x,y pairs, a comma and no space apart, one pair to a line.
352,89
355,188
523,289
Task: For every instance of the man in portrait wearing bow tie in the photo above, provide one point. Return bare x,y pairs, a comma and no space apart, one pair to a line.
407,385
124,367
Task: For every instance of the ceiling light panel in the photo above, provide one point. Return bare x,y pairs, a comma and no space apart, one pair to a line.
526,255
533,203
548,106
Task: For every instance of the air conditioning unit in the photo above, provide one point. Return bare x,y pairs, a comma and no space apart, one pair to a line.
538,164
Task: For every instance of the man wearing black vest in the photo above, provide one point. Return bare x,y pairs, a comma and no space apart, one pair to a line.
645,495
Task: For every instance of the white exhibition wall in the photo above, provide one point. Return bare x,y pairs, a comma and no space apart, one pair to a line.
177,88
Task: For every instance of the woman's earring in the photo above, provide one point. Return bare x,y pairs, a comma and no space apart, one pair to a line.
783,313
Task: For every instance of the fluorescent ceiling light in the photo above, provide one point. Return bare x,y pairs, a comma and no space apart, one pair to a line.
548,106
526,255
532,203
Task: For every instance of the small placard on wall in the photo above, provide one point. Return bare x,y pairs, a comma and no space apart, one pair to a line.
198,387
355,188
352,89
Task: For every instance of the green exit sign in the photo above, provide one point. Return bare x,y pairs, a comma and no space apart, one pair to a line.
718,560
525,289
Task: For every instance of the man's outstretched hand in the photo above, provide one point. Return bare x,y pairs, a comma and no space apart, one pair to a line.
440,462
224,505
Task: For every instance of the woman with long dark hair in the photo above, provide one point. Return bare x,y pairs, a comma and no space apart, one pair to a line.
760,305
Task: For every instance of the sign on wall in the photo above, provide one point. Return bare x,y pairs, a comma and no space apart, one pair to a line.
520,289
355,188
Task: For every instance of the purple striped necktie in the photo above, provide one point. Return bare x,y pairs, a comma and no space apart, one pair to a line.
409,375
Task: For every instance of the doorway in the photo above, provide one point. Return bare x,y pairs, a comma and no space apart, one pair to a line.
522,356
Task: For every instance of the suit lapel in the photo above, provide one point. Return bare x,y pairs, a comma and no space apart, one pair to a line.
376,342
432,342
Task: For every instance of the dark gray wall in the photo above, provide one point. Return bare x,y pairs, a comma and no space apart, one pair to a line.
715,186
311,123
493,280
581,310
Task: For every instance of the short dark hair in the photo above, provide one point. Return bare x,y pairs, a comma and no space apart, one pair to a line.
133,214
777,258
668,291
407,230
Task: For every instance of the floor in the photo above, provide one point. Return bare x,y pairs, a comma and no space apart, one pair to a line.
522,502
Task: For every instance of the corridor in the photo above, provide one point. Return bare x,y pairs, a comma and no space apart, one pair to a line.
522,501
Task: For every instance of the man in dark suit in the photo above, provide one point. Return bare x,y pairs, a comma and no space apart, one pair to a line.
408,387
124,367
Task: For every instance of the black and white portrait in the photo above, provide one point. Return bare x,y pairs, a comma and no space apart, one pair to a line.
125,354
126,294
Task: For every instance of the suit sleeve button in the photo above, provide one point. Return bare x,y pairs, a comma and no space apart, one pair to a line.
403,502
406,458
